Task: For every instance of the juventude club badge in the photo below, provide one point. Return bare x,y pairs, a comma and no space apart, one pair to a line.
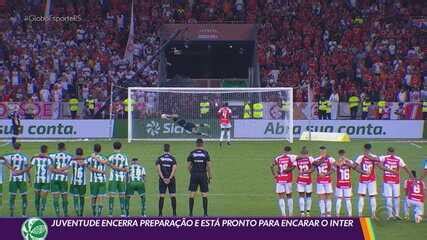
34,229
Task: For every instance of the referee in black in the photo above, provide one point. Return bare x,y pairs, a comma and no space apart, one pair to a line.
166,168
199,166
16,126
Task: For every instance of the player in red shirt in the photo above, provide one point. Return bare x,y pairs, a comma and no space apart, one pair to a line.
303,163
415,195
391,181
323,165
281,169
343,190
224,116
367,180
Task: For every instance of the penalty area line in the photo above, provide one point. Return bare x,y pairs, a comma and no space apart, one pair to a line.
415,145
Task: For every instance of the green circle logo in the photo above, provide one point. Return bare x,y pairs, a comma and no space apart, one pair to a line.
34,229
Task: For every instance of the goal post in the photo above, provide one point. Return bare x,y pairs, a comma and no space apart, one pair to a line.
160,114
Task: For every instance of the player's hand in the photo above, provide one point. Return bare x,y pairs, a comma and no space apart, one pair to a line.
209,180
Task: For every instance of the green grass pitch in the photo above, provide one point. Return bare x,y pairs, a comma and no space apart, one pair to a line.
242,184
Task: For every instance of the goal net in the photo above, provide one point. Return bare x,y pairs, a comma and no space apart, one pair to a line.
189,113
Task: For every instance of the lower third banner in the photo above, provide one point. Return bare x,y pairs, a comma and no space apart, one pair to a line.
186,228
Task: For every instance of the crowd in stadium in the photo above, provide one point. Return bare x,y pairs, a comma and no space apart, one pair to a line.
341,48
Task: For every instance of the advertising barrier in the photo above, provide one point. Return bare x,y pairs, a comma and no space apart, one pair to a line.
160,128
354,128
59,129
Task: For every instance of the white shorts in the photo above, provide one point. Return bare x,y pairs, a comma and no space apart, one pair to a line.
391,190
324,188
369,188
343,192
308,188
418,207
284,188
227,126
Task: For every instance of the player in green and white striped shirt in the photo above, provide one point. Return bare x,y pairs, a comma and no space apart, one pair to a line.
136,176
59,178
42,164
118,162
97,165
18,163
78,181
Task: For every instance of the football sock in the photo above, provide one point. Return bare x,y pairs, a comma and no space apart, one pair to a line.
191,205
43,204
65,205
24,204
12,203
82,205
205,205
93,205
173,204
142,205
328,206
301,204
161,202
282,206
290,206
308,204
127,203
100,210
13,141
228,135
396,201
373,202
122,204
76,204
111,205
322,207
338,206
222,136
56,204
389,205
37,203
405,208
361,202
349,207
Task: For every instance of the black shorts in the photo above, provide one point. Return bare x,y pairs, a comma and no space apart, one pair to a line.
199,179
171,187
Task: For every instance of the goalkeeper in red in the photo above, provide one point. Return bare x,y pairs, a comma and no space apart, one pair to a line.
224,117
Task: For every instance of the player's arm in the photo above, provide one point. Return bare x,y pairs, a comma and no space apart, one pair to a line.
208,168
406,169
159,171
356,167
174,166
99,159
273,168
189,166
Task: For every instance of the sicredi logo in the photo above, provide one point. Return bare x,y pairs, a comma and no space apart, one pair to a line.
153,128
34,229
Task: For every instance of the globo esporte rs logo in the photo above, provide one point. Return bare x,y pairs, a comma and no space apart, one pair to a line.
34,229
153,128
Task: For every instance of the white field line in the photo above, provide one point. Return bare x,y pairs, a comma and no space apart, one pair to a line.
415,145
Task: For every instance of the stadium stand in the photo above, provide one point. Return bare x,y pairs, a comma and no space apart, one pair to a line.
369,48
